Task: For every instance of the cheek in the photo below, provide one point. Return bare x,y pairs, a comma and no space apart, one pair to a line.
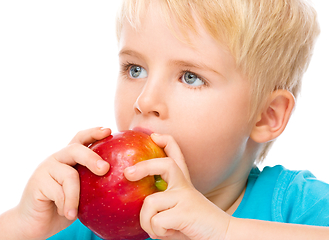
212,138
123,106
211,156
212,161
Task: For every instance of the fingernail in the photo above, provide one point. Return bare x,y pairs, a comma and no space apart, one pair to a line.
101,164
72,213
131,169
155,135
103,128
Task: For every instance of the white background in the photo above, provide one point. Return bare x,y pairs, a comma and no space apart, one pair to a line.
58,67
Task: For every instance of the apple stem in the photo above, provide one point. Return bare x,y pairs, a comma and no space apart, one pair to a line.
160,183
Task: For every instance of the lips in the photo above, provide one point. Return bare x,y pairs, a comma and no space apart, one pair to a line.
143,130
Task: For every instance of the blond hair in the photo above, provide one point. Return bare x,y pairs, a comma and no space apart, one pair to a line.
271,40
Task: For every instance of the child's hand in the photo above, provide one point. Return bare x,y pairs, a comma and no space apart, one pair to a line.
50,200
180,212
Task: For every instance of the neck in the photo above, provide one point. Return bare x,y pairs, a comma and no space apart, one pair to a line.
228,198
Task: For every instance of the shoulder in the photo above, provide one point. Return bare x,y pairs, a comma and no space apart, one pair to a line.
301,198
257,200
282,195
297,196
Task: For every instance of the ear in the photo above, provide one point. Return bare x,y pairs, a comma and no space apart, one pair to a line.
274,117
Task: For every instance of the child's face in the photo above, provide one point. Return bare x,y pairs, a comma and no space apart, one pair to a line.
194,94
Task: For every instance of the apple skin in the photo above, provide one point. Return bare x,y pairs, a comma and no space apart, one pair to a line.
110,205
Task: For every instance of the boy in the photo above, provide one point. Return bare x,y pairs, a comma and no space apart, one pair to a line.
215,82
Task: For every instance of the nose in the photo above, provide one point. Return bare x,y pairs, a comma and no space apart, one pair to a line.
152,101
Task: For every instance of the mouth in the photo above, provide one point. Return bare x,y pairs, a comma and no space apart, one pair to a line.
143,130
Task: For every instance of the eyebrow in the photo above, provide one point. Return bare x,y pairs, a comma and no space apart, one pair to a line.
130,53
181,63
188,64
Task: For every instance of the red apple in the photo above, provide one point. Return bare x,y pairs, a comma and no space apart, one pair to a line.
110,204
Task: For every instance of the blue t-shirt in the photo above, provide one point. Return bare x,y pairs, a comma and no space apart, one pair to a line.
280,195
274,194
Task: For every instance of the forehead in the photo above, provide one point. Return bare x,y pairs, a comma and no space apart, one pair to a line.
181,16
153,40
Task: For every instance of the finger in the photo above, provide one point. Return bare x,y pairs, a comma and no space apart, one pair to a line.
166,167
68,178
172,150
77,153
173,234
48,189
147,212
164,225
153,204
53,191
86,137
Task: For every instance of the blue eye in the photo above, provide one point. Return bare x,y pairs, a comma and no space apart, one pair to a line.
137,72
192,79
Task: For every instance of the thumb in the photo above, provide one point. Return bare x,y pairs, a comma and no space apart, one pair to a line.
172,150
